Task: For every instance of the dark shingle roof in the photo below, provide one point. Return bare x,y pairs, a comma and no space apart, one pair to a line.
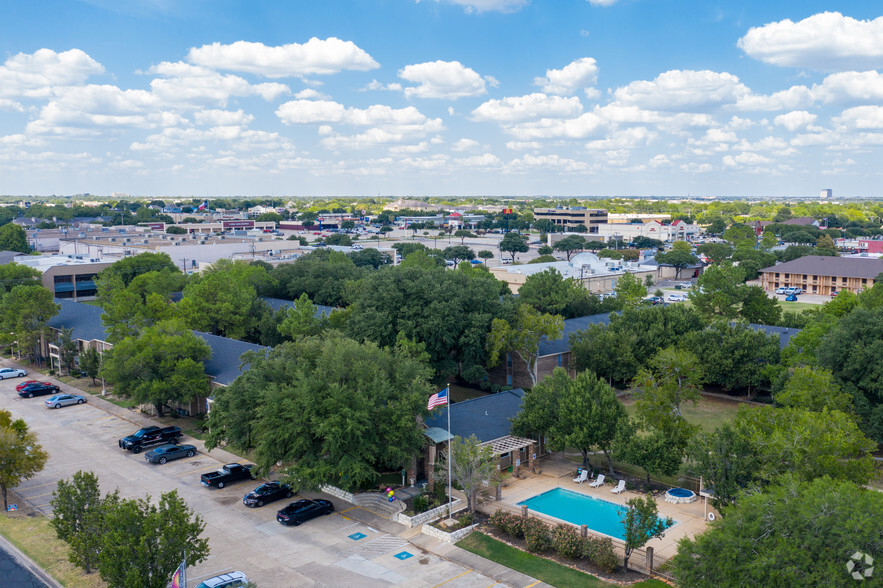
562,344
224,363
85,320
487,417
840,267
783,333
278,304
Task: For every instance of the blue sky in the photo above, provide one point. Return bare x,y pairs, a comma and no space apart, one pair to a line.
441,97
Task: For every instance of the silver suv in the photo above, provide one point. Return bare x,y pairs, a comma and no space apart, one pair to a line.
228,580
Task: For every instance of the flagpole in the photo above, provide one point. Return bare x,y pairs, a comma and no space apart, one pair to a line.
450,499
185,569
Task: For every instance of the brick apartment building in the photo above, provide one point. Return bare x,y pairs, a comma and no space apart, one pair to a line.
817,274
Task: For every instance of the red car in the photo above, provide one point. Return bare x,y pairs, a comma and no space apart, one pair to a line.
833,294
25,383
29,390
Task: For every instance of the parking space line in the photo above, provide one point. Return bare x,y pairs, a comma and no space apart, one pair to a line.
205,469
492,585
38,496
42,505
103,418
349,509
534,584
34,486
454,578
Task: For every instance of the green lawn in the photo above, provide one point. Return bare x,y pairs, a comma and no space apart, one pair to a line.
709,413
542,569
797,306
37,539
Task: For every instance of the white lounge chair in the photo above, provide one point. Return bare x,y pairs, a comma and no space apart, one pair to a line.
597,483
582,477
619,487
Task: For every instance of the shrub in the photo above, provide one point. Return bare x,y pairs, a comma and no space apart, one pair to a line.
440,491
567,542
420,503
600,552
507,523
467,519
536,535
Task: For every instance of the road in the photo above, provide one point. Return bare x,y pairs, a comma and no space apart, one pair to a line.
352,547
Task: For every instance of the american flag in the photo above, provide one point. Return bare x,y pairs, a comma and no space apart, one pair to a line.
438,399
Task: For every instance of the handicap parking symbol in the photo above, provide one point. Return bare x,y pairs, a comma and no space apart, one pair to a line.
357,536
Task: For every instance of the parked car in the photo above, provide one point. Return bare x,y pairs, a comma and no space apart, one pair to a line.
303,510
676,297
228,580
12,373
34,388
229,473
150,437
791,298
834,293
21,386
267,493
654,300
781,290
60,400
165,453
790,291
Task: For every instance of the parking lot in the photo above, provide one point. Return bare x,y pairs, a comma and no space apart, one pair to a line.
351,547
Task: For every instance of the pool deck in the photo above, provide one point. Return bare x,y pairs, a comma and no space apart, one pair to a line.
557,473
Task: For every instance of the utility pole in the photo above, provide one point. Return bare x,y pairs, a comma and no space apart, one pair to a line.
184,264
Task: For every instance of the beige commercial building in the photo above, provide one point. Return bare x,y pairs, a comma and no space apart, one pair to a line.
569,218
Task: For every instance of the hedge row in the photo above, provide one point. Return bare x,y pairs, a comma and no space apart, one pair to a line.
565,540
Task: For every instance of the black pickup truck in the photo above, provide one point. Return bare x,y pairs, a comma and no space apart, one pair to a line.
229,473
149,437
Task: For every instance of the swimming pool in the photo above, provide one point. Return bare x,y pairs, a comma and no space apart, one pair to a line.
598,515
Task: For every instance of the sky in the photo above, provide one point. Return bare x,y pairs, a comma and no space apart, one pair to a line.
671,98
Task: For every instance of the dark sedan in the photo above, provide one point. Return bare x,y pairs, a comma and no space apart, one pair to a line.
31,389
165,453
267,493
304,510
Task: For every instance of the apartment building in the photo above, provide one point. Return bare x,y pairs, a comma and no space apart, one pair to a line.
817,274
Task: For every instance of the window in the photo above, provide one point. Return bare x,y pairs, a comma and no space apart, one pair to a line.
560,360
508,360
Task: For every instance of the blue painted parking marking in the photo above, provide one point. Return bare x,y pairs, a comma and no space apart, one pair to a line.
357,536
403,555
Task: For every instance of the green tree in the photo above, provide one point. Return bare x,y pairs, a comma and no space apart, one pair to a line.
14,274
129,268
485,254
458,253
544,250
550,292
163,364
173,230
582,412
825,246
522,337
315,404
783,214
797,533
813,388
90,362
719,291
21,455
656,451
301,320
144,543
735,355
24,312
513,243
726,461
78,517
544,225
570,245
473,465
321,275
269,216
13,238
339,239
604,351
464,234
757,307
716,252
717,226
629,290
677,259
672,377
739,235
67,350
646,243
642,523
768,240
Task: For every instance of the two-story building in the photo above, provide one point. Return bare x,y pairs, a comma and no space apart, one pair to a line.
817,274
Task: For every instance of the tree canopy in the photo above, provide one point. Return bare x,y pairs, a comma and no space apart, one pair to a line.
521,335
315,405
21,455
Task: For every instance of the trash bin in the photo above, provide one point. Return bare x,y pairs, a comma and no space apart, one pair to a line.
678,287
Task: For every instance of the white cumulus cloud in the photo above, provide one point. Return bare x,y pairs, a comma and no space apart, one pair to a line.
795,119
573,76
182,82
683,90
34,75
827,41
528,107
316,56
862,117
443,79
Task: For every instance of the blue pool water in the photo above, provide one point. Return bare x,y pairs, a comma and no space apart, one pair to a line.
599,515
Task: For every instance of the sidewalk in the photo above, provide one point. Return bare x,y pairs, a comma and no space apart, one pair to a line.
16,576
